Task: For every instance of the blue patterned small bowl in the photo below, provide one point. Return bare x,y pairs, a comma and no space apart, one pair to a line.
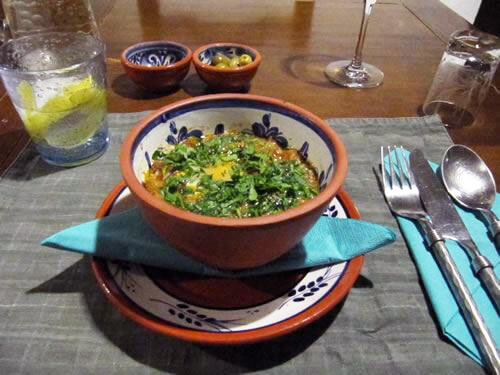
157,65
234,243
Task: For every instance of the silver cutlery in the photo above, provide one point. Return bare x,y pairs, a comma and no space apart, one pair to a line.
403,198
447,222
470,182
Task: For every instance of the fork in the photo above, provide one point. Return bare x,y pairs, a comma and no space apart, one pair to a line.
403,198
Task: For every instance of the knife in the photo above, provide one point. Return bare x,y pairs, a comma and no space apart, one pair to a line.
448,223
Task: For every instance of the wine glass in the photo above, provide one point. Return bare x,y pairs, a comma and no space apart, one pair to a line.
356,73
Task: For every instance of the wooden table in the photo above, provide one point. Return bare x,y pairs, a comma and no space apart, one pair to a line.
405,39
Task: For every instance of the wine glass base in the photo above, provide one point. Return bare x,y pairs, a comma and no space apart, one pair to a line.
342,73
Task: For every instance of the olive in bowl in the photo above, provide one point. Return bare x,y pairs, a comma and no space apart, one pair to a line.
157,65
230,242
226,66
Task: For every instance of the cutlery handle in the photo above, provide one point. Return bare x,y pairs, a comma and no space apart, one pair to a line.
489,279
484,271
471,313
495,228
466,303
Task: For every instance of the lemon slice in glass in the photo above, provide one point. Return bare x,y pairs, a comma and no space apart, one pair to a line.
68,119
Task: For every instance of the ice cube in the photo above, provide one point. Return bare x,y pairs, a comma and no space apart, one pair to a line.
40,59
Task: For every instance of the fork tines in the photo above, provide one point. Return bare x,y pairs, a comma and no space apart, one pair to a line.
403,172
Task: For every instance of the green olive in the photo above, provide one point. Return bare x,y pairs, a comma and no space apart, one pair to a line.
220,58
234,62
245,59
222,65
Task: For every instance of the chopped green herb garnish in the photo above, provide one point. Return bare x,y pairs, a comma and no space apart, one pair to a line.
231,175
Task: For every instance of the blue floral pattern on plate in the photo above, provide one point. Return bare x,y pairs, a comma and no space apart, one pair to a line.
306,290
331,211
190,315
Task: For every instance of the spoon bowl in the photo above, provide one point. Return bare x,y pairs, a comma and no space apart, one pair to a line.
467,178
470,182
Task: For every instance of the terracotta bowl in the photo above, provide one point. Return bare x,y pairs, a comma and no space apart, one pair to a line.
226,242
226,78
157,65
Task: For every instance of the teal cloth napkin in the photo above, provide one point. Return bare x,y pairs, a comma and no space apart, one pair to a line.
127,236
450,319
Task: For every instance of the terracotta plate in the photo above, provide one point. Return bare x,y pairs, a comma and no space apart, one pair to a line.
219,310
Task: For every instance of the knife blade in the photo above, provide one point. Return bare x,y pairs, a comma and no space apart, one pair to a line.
448,223
436,200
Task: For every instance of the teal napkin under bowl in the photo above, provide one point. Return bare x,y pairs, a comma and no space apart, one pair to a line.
127,236
447,311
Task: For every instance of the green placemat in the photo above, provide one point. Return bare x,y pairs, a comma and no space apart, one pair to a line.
54,319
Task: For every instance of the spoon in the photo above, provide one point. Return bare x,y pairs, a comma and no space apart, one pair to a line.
470,182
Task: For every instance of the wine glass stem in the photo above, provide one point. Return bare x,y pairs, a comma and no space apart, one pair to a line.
357,60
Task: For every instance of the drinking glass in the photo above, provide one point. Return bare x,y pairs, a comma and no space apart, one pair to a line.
463,78
355,73
24,18
57,83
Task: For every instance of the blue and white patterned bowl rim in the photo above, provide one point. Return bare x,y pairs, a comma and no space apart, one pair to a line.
158,53
266,120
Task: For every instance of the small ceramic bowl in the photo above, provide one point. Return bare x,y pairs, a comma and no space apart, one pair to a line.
226,78
234,243
157,65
